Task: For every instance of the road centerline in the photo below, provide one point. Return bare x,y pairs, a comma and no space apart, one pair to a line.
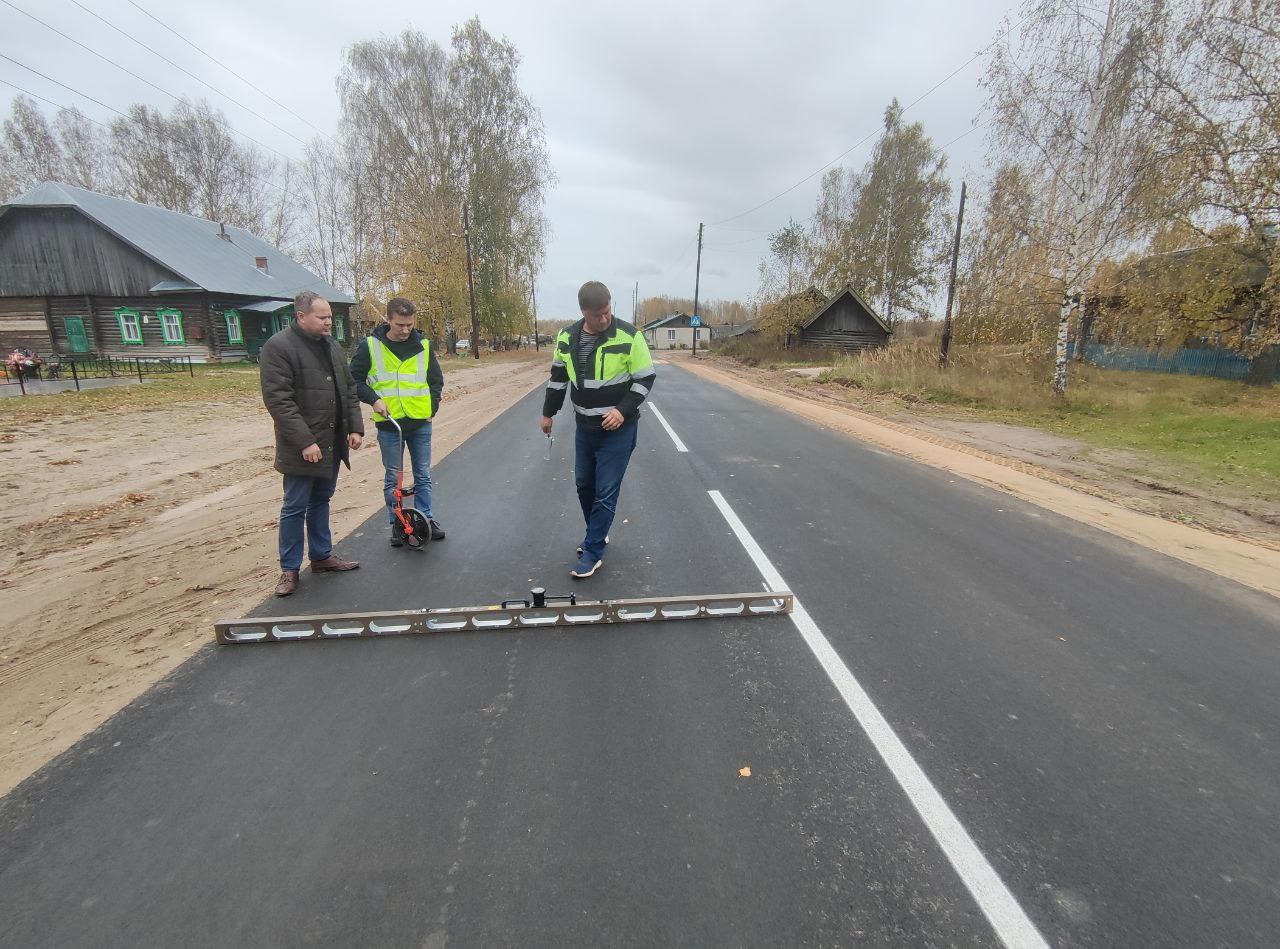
680,446
1011,924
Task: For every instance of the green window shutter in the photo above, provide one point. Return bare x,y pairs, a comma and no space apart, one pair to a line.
339,329
130,321
171,326
77,339
234,332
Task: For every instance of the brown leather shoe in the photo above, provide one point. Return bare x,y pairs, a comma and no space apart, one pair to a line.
333,563
287,583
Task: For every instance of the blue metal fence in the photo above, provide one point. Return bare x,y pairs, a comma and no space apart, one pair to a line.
1221,363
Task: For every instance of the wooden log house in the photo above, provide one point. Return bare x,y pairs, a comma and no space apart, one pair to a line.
81,272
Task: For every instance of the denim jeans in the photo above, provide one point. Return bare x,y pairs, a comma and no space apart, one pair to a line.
418,443
601,462
306,502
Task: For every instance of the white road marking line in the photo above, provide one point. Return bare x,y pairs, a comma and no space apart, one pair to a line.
1007,918
670,431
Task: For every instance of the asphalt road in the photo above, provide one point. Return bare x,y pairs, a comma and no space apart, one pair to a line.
1079,741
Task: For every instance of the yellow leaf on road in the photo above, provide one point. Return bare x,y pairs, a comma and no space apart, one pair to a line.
744,772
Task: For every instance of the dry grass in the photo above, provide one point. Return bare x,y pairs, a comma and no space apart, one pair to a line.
220,383
1223,429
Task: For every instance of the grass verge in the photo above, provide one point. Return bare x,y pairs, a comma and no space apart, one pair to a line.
1217,429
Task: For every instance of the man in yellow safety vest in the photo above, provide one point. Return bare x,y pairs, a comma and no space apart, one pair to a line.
397,373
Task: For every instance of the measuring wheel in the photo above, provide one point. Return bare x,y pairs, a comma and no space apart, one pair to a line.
421,527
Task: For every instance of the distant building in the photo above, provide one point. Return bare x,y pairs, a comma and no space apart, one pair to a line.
675,332
81,272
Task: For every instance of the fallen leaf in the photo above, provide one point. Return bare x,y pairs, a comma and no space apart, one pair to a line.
744,772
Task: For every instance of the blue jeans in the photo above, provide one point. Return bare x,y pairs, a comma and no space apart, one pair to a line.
601,462
418,442
306,501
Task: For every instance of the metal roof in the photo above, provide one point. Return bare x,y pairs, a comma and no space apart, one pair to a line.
189,246
662,322
264,306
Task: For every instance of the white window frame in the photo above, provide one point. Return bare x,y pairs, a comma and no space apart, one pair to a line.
174,336
671,334
235,331
130,321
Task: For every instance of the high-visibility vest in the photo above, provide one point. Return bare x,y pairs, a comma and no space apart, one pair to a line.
401,384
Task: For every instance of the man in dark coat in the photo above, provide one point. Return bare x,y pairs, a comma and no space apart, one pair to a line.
308,389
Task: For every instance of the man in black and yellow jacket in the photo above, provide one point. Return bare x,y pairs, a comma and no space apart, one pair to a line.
606,365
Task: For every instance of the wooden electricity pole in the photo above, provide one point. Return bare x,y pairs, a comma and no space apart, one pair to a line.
471,286
697,279
951,284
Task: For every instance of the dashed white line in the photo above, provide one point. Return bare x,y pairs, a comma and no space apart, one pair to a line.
670,431
1011,924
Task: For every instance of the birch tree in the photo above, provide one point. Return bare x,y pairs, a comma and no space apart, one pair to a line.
1065,94
439,128
29,149
886,230
1215,102
782,308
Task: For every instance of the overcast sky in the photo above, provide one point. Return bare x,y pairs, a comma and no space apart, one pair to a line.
658,115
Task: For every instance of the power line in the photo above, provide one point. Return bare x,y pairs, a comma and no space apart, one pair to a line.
219,62
962,135
84,95
112,62
749,240
680,258
183,69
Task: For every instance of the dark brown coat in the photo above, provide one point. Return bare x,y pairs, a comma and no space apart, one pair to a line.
298,391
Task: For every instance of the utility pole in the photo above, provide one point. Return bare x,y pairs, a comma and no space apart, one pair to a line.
951,285
471,287
697,279
533,296
635,301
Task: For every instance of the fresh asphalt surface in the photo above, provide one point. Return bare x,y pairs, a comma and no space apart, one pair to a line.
1102,720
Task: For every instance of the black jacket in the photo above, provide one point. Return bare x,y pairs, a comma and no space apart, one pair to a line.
361,364
311,396
589,402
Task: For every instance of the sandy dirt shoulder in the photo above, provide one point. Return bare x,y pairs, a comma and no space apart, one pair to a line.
1251,559
128,534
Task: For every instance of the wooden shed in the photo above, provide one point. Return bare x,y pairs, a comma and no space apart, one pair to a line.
82,272
845,322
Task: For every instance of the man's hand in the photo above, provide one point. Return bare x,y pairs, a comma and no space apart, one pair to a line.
612,420
546,425
380,407
312,453
354,441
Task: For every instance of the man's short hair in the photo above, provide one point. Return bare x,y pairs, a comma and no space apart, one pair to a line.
305,300
399,306
593,296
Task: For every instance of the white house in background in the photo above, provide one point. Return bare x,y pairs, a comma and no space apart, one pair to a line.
675,332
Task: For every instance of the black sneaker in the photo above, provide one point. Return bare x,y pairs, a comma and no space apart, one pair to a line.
396,540
437,532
